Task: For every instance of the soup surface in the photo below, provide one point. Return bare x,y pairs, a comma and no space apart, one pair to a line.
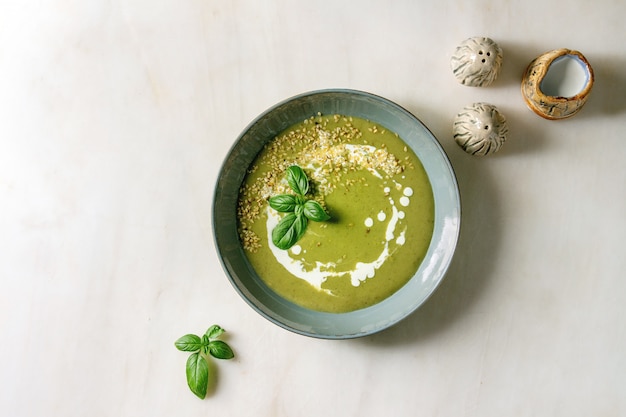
381,211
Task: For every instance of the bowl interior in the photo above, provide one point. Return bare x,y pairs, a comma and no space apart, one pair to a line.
411,295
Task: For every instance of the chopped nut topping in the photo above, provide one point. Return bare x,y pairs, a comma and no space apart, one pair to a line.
325,152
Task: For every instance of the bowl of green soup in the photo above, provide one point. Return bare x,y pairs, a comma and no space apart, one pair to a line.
336,214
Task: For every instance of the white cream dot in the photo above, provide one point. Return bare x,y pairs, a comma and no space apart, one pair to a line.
369,222
381,216
404,201
400,240
296,249
401,214
387,190
408,191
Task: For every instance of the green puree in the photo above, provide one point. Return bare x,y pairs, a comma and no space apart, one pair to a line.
378,196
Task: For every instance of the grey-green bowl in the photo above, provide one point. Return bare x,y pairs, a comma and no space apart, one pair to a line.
389,311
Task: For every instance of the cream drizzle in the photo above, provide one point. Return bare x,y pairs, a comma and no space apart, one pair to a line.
363,270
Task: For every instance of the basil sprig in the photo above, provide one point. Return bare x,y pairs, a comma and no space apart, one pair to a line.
299,210
197,369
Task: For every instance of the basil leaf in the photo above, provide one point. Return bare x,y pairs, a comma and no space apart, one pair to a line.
220,350
189,343
314,211
214,331
300,225
288,231
283,203
197,374
297,180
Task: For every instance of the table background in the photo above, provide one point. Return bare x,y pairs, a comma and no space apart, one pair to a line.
115,117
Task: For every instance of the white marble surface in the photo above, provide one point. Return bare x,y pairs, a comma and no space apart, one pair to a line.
115,117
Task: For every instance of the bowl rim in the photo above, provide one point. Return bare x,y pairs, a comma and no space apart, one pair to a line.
453,235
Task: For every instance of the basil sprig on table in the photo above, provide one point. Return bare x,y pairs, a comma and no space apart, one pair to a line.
197,364
299,210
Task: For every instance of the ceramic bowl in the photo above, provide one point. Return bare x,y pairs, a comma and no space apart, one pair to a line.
556,84
389,311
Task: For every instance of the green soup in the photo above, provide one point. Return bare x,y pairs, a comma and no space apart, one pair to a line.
378,196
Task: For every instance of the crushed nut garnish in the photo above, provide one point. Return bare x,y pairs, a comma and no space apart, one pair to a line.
325,152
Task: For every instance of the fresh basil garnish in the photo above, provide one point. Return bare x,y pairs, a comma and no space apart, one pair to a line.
197,369
214,331
314,211
220,350
284,203
197,374
189,343
289,230
299,210
297,179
